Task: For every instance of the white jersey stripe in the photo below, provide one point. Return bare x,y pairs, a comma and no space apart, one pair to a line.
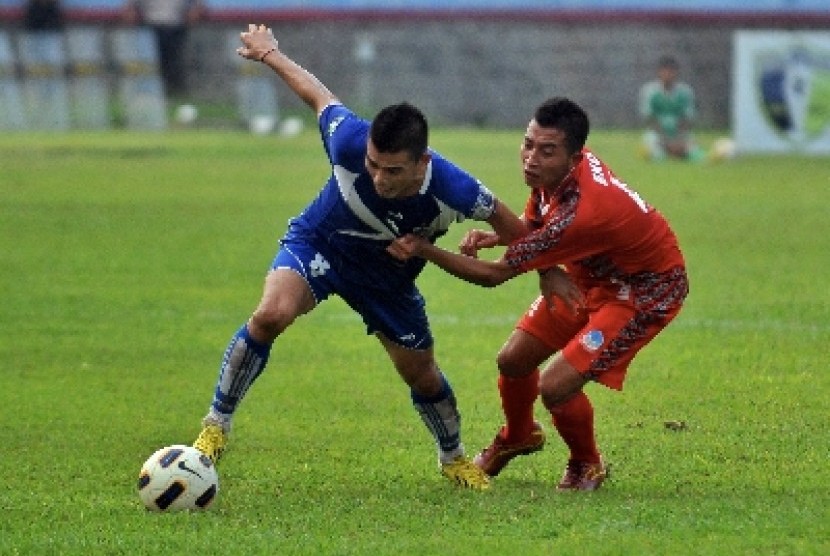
345,183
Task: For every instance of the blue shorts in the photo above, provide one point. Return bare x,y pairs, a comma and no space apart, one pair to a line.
399,314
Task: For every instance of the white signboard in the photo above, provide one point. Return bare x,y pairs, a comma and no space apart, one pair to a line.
781,91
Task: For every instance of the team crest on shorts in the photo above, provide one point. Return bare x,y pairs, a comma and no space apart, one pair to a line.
319,265
592,340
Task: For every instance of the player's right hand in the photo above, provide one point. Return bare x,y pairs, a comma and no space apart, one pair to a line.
257,41
555,283
406,247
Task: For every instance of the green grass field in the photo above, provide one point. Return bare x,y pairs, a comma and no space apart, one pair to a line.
129,260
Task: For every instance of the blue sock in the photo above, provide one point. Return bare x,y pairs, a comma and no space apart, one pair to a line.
440,415
243,362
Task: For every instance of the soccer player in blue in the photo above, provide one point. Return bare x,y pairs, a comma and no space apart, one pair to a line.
385,183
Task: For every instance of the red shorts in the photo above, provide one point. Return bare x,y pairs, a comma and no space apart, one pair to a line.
599,341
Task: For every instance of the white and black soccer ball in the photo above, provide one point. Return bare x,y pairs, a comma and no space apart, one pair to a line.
177,478
724,148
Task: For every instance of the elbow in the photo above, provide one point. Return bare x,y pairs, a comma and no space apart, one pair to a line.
488,280
491,282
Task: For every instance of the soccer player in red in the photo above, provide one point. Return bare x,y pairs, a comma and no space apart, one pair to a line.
612,277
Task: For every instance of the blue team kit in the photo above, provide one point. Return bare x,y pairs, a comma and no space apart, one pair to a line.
338,243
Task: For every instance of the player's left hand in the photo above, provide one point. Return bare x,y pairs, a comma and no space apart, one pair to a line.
555,283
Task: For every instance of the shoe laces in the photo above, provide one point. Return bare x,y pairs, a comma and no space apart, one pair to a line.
581,470
466,473
498,443
211,440
575,470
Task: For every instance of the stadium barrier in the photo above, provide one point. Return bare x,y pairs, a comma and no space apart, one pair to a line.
12,113
58,81
87,74
44,84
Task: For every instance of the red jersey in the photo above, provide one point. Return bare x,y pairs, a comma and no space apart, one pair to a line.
605,235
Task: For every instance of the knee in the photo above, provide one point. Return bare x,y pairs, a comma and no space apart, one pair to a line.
427,384
512,363
559,383
420,372
269,321
552,398
549,391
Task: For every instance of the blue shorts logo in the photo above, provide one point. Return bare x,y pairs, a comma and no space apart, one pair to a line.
592,340
318,266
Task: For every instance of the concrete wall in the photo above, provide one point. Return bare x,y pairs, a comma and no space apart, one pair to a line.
492,74
488,71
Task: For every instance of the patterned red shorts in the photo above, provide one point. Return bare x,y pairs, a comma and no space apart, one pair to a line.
601,340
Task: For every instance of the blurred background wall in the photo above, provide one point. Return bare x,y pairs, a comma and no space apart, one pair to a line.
476,62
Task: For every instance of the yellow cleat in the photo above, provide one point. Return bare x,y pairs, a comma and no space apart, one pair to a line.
211,441
465,473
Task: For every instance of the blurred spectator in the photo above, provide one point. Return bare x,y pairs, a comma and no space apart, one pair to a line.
668,107
170,21
43,15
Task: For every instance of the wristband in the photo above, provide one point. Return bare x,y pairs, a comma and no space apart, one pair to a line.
262,58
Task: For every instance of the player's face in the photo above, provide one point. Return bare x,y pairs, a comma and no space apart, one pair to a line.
667,75
395,174
546,161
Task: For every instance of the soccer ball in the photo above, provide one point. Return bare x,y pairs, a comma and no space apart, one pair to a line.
177,478
262,124
291,127
186,114
724,148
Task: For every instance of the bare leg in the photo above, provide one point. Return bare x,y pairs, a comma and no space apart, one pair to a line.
518,362
432,396
285,297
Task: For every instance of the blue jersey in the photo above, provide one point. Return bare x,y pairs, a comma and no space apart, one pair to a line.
351,225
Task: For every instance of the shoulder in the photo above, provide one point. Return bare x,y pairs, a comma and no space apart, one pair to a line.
333,115
684,88
592,169
592,177
651,87
446,175
460,190
344,136
338,123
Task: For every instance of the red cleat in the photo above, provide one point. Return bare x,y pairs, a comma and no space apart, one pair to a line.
580,475
497,455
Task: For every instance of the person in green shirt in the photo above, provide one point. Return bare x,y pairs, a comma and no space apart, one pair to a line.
667,106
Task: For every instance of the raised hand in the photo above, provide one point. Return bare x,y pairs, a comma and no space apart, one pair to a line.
258,41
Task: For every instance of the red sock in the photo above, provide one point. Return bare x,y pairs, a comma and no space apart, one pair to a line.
517,398
574,420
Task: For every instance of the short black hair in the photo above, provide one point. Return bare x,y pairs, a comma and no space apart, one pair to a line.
567,116
400,127
668,62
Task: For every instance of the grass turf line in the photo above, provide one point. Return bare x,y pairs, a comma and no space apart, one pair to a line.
130,259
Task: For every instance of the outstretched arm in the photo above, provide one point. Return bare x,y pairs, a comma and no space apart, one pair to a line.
476,271
507,227
260,45
553,282
506,224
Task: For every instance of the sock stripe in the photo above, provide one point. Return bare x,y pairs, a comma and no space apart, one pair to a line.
441,417
243,362
249,367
